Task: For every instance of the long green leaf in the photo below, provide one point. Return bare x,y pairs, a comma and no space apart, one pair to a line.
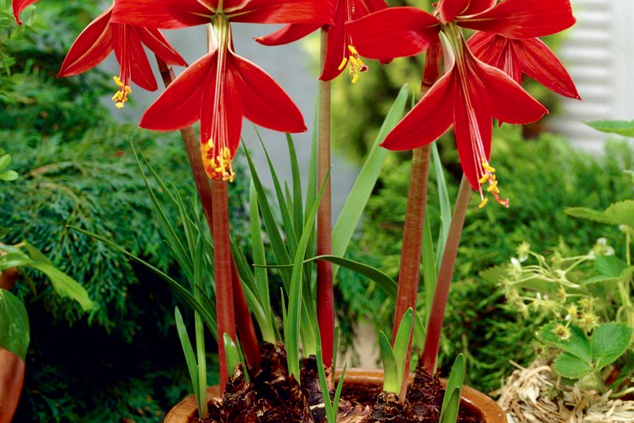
297,186
430,274
65,286
445,204
233,355
364,185
453,392
390,370
293,323
190,357
401,342
275,237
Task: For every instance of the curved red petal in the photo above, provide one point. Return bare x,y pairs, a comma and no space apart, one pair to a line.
283,12
264,102
365,7
428,120
473,123
19,6
156,41
509,101
220,120
410,30
539,62
166,14
496,51
449,9
127,36
180,104
523,18
433,60
90,48
337,46
288,34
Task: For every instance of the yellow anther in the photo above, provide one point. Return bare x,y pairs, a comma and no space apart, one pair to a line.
493,186
210,143
486,166
119,105
483,203
128,90
355,78
343,64
354,62
360,63
484,179
353,50
117,81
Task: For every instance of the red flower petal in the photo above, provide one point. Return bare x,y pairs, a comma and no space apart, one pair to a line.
19,6
427,121
337,45
179,105
365,7
90,48
478,6
283,11
449,9
410,30
523,18
433,60
167,14
540,63
220,118
126,37
496,51
509,101
288,34
156,41
472,126
264,102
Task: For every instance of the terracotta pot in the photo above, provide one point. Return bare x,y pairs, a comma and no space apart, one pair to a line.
11,382
491,412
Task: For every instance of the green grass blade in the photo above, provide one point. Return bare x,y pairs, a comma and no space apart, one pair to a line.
390,379
364,185
383,281
339,387
293,323
298,201
277,243
190,358
453,392
401,342
419,332
331,415
430,274
445,204
257,247
233,355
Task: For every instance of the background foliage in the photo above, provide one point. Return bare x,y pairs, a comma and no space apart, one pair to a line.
122,360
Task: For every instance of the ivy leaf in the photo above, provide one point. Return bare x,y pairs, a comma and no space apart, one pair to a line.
577,345
589,214
14,324
609,341
620,127
567,365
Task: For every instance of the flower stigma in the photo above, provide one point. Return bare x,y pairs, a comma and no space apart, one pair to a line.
121,96
220,165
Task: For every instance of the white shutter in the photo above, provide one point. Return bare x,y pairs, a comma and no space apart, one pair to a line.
599,54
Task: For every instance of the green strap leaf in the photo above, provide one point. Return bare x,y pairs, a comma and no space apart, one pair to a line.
364,185
390,369
401,343
619,127
188,351
233,354
453,392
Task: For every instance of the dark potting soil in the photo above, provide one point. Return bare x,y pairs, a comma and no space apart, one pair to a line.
274,396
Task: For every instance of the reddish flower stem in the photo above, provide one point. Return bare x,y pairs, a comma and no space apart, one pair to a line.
445,273
222,263
409,274
325,295
245,325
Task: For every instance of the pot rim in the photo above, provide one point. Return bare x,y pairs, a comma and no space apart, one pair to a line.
490,410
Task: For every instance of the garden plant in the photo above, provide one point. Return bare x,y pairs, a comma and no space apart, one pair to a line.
476,54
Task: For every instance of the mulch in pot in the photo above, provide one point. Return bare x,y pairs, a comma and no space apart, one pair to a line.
274,396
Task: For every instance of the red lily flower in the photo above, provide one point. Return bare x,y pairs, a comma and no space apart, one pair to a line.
530,56
19,6
341,47
218,90
103,36
172,14
469,95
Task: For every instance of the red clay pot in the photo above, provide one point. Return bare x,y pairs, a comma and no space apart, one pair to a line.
11,382
490,411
